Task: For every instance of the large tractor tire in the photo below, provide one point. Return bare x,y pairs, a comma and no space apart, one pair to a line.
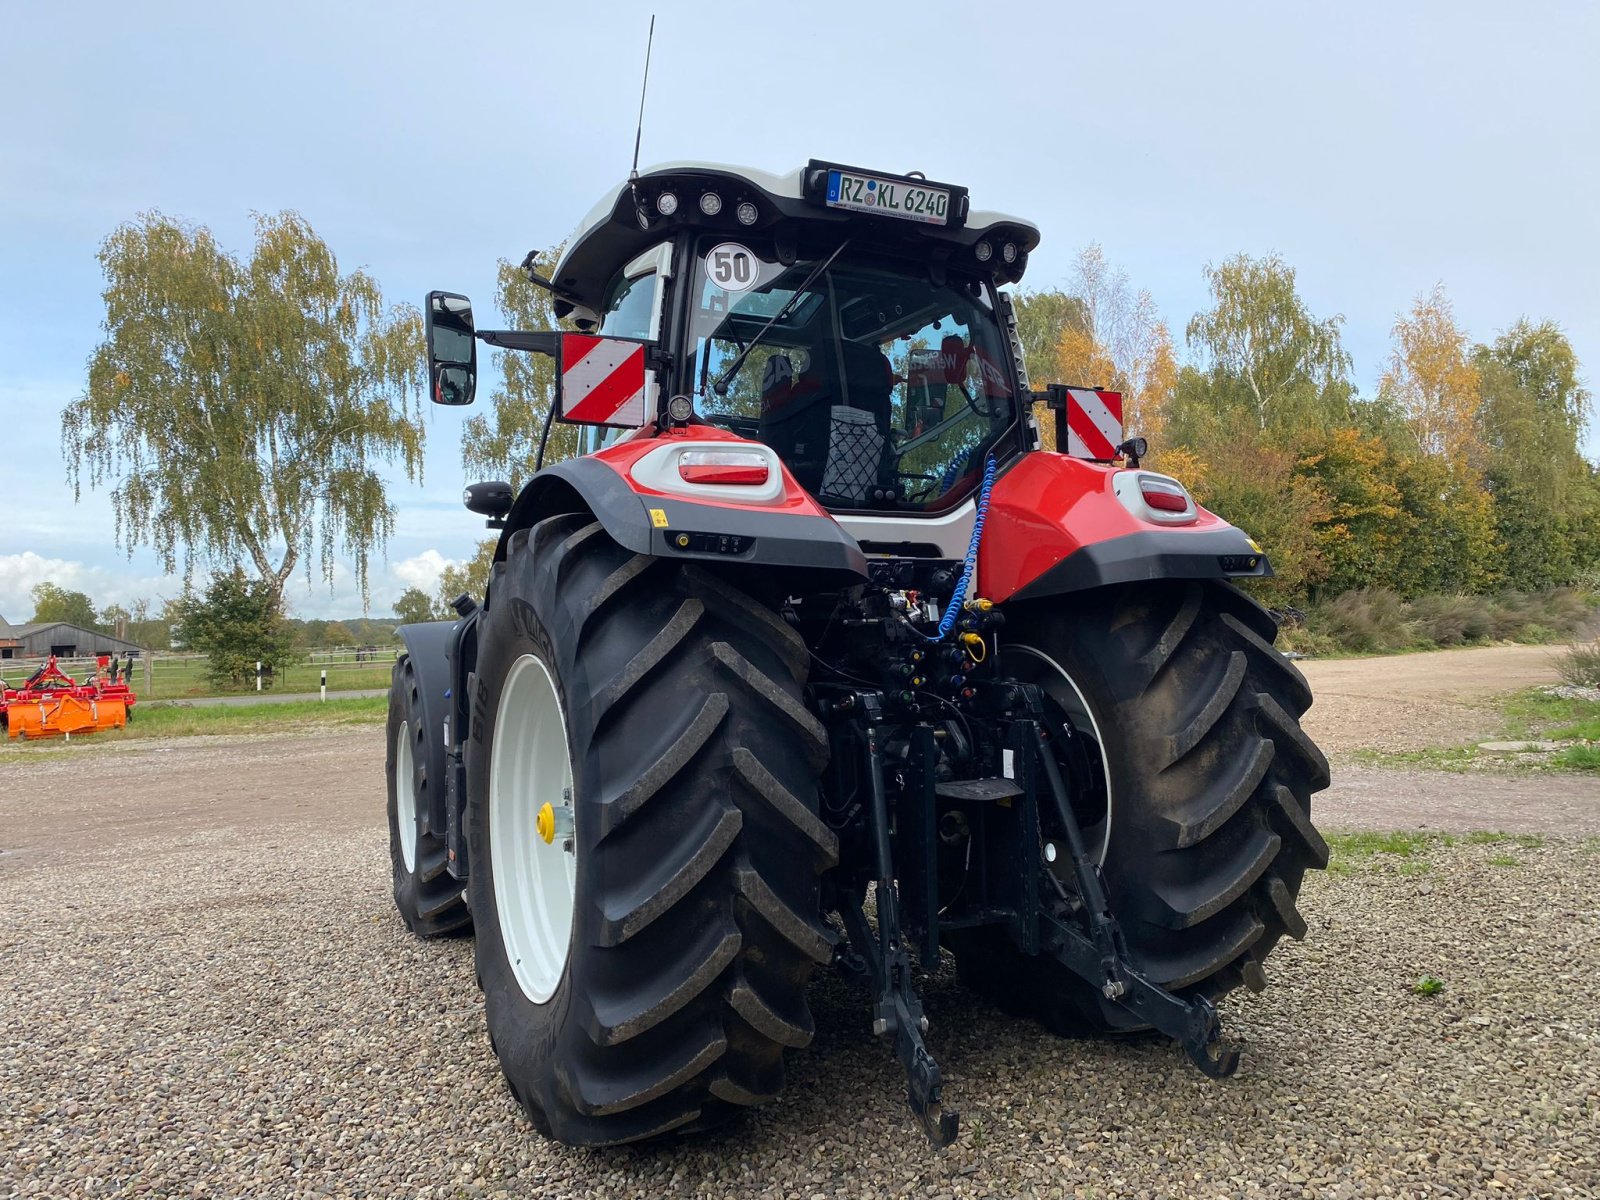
432,902
1192,780
643,952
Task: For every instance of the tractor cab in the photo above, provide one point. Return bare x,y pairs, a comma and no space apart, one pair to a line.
849,320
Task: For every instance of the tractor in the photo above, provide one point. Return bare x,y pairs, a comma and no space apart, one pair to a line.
814,657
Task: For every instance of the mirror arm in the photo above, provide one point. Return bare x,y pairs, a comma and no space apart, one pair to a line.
539,342
539,280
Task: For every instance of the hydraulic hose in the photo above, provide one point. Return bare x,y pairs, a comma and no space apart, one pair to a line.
959,596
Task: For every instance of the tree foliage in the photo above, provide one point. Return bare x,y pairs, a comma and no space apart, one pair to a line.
52,602
469,578
1119,342
1433,381
503,443
238,410
236,624
414,607
1262,351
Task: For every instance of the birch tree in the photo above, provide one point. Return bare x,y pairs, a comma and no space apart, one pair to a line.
238,411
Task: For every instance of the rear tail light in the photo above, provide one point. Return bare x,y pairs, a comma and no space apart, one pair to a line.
1163,494
1159,499
740,467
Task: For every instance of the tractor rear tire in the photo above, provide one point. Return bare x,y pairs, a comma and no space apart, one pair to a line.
695,908
1211,779
431,901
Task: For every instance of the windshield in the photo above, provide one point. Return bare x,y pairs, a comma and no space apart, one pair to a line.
878,388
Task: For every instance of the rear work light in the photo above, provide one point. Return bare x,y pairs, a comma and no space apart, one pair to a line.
740,467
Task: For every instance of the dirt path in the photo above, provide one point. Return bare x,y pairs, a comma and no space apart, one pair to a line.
191,790
1412,701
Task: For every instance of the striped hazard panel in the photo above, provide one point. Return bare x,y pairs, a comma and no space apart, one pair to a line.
1094,423
602,381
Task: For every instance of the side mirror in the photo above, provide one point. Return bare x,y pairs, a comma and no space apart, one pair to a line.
452,348
491,499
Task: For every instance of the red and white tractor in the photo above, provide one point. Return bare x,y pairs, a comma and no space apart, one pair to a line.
816,658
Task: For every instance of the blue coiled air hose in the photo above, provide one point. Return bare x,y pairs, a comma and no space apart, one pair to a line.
959,596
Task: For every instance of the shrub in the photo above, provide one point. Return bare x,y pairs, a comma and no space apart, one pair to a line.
1579,664
1451,620
1371,619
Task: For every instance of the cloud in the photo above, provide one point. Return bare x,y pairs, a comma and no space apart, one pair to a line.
21,573
422,570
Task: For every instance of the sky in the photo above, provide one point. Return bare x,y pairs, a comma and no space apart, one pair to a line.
1379,148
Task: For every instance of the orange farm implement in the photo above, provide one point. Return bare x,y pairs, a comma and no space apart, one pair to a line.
53,704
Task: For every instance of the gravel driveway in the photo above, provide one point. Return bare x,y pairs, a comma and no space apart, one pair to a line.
207,992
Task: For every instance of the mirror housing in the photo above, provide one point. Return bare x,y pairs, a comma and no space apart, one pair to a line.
491,499
452,348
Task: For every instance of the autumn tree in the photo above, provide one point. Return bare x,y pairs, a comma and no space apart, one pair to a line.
52,602
1432,379
1042,318
1118,341
503,443
239,410
1262,351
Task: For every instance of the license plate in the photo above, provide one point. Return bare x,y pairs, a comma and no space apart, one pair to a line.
888,197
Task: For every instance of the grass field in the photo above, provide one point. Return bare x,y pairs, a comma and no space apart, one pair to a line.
180,720
183,677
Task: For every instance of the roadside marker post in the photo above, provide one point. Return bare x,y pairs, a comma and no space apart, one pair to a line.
324,685
258,674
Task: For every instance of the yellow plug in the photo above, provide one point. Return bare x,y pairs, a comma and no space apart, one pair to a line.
979,605
976,646
545,823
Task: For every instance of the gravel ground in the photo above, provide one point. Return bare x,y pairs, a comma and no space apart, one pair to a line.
1414,701
224,1004
207,993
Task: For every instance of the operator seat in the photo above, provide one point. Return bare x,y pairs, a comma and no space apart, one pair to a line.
819,445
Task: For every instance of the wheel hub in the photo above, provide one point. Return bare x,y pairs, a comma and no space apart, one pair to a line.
532,845
405,794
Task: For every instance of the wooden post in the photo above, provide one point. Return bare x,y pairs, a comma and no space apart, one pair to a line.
149,686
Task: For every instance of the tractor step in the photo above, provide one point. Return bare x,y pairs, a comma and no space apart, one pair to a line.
977,790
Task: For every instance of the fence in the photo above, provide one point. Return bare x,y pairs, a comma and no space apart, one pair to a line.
177,676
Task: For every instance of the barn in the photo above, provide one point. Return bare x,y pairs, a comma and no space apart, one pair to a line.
60,639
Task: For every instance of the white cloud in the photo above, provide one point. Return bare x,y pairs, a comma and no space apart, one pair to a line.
422,570
21,573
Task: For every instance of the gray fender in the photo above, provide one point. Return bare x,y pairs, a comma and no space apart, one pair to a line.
429,644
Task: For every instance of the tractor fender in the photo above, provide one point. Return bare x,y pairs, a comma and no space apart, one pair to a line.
430,644
652,524
1054,526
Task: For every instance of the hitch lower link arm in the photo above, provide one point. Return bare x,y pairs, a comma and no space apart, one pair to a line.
897,1009
1102,957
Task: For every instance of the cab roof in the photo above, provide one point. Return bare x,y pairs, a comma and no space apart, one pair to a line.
628,220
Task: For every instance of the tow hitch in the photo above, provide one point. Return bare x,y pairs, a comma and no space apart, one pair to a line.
1089,941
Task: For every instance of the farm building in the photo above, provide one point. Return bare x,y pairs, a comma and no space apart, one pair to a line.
60,639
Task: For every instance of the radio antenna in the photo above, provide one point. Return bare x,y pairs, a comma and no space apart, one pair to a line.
643,88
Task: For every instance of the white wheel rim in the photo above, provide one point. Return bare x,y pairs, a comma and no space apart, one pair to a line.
534,880
405,794
1064,691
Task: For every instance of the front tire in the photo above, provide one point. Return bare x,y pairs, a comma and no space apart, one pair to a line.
695,911
1207,781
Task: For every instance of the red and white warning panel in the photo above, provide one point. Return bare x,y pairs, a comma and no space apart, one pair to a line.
603,381
1094,423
